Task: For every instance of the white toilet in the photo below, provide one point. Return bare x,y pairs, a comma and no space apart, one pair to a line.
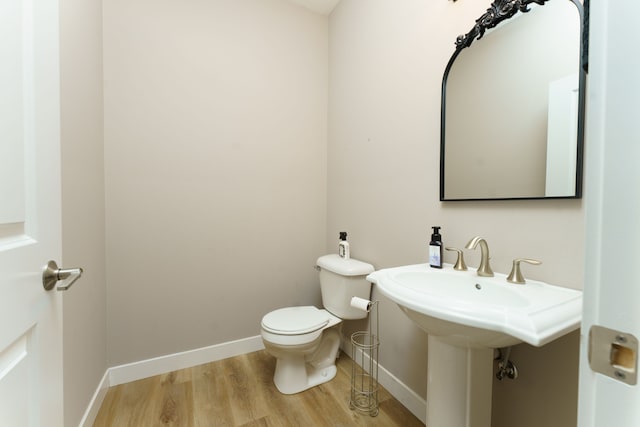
305,340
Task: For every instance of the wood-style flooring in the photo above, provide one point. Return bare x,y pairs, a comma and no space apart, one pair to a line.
239,391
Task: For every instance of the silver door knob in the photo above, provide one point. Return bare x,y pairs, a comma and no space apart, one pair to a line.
52,275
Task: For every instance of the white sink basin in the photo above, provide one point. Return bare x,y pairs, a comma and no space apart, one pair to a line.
466,310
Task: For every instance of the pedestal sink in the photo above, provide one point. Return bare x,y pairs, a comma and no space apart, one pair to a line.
466,317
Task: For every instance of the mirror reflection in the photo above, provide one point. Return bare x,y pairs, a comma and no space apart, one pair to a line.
512,109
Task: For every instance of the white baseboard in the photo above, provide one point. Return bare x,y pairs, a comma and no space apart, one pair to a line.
163,364
409,398
172,362
186,359
96,401
399,390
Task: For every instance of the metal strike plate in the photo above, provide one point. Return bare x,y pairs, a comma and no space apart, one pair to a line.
614,354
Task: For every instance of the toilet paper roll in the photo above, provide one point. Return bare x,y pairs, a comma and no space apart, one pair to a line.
361,304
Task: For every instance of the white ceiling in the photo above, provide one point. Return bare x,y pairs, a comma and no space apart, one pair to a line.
323,7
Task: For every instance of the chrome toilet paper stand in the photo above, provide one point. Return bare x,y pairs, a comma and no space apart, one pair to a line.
364,365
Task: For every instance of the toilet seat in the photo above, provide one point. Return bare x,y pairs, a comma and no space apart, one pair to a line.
295,320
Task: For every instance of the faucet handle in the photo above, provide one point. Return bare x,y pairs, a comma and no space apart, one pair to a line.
460,265
516,275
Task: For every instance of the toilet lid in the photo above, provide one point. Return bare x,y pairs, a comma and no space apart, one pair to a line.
295,320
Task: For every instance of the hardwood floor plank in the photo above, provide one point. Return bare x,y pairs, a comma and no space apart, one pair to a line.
177,404
108,413
262,422
246,404
239,392
144,398
211,398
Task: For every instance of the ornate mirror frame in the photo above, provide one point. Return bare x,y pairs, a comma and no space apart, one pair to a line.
499,11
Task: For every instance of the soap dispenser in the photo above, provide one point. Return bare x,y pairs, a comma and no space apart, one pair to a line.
343,246
435,249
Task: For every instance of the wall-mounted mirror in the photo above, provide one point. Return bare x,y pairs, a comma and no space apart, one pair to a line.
512,122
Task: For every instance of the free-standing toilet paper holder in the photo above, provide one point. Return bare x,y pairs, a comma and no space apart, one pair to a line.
364,365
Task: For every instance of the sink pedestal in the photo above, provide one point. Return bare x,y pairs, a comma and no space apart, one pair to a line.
459,384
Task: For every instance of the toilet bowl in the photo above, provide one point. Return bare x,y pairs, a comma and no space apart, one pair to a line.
305,340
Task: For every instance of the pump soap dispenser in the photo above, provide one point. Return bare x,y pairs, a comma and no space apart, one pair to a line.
343,246
435,249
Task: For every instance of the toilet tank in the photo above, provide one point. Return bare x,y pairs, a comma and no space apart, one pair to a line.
340,280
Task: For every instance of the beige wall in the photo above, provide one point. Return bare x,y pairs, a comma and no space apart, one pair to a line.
386,61
85,359
215,163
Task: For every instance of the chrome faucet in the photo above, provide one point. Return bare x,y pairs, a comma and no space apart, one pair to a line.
484,269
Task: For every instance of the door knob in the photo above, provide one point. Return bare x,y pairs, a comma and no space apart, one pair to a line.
52,275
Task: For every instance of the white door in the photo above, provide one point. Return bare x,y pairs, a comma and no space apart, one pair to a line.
30,222
609,389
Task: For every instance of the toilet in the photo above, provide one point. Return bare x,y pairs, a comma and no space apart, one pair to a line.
305,340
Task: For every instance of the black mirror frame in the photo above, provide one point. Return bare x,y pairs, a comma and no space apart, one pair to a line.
499,11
